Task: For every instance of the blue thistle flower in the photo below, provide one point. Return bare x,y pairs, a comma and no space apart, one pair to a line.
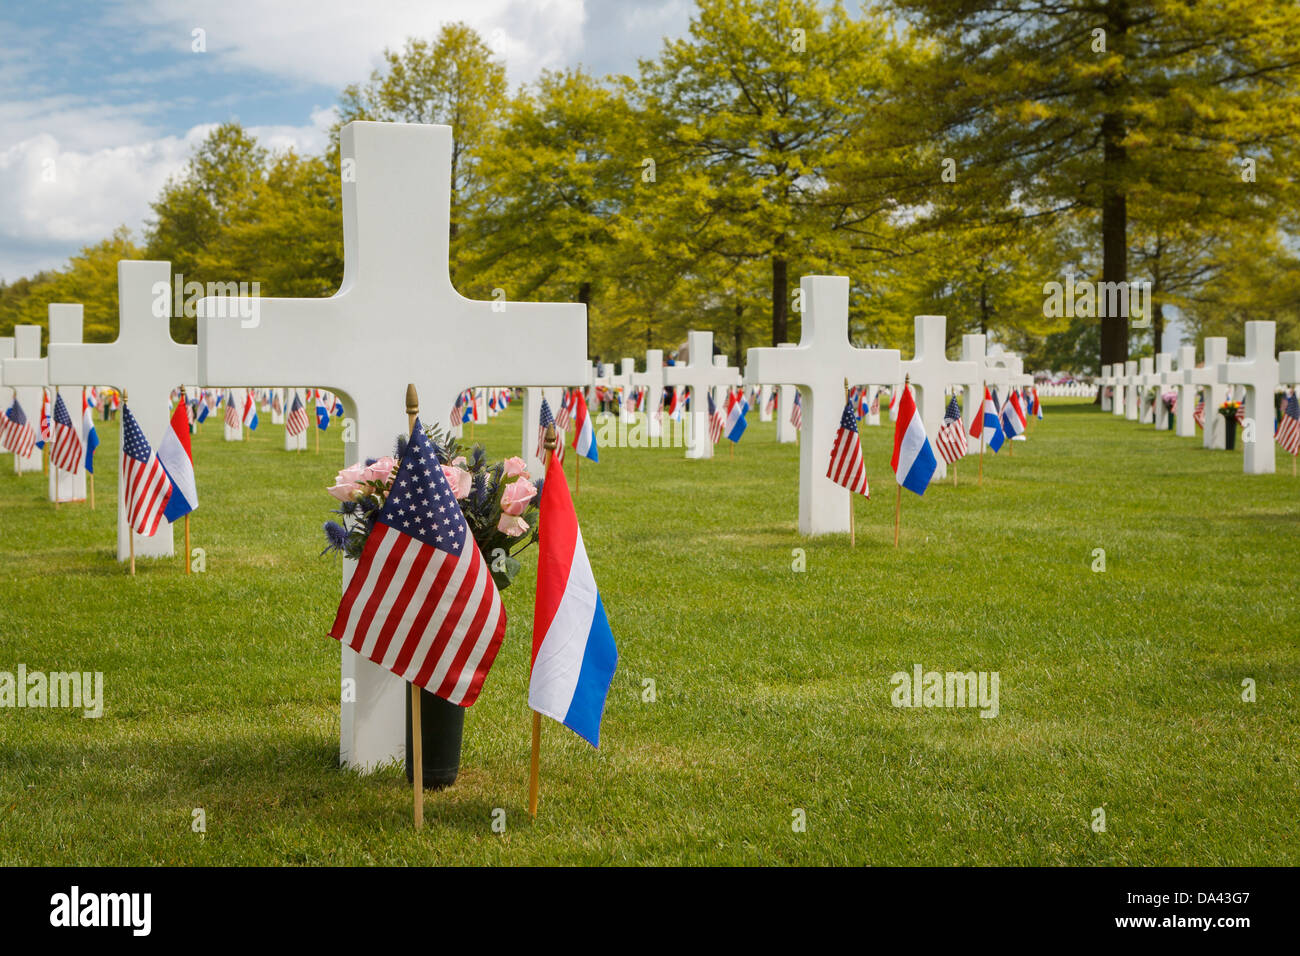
336,537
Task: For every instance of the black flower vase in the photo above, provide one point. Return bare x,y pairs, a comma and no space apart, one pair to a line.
442,724
1230,436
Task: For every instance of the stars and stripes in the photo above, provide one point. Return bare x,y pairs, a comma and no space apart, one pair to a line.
422,602
146,487
295,423
1288,429
716,422
565,413
846,467
18,436
796,410
1198,415
68,451
951,440
233,418
546,419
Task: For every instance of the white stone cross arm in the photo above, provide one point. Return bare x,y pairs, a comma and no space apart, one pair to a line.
1259,373
701,374
820,364
27,373
396,319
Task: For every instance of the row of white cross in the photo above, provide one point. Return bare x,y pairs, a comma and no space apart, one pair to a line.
397,319
1260,374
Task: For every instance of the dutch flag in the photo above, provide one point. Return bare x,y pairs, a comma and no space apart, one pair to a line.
177,461
584,436
735,426
914,463
1013,416
574,654
250,412
985,423
322,412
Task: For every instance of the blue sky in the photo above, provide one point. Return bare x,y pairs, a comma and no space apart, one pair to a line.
100,103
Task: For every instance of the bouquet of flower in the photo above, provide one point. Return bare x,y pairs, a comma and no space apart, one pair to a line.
1229,409
1170,399
498,499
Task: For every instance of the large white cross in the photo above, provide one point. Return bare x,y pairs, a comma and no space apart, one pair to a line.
1259,373
26,374
652,380
66,321
1185,407
973,349
532,423
395,319
1132,389
1106,380
786,433
931,374
821,363
701,375
623,382
1213,433
145,363
1119,406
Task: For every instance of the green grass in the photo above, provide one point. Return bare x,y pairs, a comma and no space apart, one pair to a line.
1119,690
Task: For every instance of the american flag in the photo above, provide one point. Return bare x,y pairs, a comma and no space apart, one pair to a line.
546,419
67,440
796,410
846,466
771,400
952,441
875,403
1288,429
295,423
233,418
1198,415
147,489
18,436
565,413
422,602
716,421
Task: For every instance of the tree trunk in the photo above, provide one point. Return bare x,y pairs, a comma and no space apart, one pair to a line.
1114,201
984,309
780,291
740,339
1157,324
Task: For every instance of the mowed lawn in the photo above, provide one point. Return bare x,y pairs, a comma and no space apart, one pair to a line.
1120,690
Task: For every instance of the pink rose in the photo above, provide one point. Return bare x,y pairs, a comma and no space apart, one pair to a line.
517,494
343,491
459,479
351,475
512,525
459,461
515,467
381,470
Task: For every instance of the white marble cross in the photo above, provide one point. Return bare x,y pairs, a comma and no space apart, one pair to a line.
26,374
764,396
1185,407
1145,379
66,321
1132,391
786,433
143,361
872,418
931,374
701,375
1107,380
1119,406
973,349
298,442
396,318
532,423
1164,364
820,365
235,432
1214,432
652,380
623,383
1258,372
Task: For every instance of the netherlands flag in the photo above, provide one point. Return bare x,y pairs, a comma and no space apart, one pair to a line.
584,436
914,463
987,420
736,417
1013,417
322,412
250,412
178,462
574,654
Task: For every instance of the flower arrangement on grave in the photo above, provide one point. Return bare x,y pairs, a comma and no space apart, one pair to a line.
1170,399
499,500
1229,409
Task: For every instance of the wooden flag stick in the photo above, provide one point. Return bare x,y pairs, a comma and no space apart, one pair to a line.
90,488
131,536
417,741
535,764
980,413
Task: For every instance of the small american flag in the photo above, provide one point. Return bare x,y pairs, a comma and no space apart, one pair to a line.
846,466
952,441
67,440
295,423
1288,429
546,419
18,436
233,419
1198,415
566,412
771,400
796,410
716,421
875,403
422,602
147,489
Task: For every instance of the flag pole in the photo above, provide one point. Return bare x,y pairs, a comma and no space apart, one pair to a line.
534,766
417,743
56,467
853,533
983,389
898,500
